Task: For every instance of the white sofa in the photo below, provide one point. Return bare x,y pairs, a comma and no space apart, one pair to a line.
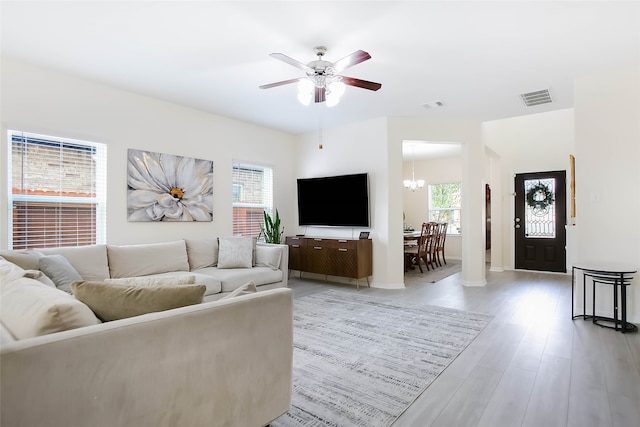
225,362
268,268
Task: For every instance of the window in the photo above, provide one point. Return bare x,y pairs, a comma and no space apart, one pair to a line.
58,191
444,205
252,195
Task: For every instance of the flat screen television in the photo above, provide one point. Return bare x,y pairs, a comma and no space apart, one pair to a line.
339,201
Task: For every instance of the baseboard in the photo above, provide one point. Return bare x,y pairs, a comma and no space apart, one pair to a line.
472,283
387,285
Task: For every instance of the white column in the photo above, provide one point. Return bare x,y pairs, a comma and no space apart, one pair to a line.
473,219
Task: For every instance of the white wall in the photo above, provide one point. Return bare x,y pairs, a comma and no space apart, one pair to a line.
356,148
607,119
43,101
416,203
533,143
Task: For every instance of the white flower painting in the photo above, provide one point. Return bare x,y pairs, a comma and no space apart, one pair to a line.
164,187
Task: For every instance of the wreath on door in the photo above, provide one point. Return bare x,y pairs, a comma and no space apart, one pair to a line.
539,197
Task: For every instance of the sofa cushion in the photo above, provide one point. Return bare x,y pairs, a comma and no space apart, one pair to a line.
30,308
231,279
202,253
152,258
154,281
59,270
268,256
26,259
111,301
235,252
89,261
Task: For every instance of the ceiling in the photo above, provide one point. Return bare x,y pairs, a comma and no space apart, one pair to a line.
476,57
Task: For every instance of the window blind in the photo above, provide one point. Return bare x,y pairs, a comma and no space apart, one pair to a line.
252,195
58,191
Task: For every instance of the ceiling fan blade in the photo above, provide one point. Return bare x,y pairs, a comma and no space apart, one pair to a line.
320,94
284,58
364,84
349,61
284,82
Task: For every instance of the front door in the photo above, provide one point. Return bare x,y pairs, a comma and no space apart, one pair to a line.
540,219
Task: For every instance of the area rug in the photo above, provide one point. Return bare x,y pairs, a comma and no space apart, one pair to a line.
435,274
361,360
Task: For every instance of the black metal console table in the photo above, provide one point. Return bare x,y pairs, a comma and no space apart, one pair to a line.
617,276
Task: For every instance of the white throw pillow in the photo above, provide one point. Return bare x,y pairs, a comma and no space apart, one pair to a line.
9,271
153,281
235,252
268,256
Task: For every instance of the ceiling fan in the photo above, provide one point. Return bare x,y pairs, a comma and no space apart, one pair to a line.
323,83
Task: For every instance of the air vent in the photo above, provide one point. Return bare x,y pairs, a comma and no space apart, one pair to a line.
433,104
536,98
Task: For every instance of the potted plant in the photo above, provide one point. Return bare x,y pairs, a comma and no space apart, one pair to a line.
272,231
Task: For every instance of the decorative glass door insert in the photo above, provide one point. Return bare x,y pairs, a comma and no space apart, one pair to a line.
540,218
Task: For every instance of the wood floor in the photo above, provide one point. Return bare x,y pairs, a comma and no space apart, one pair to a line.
531,366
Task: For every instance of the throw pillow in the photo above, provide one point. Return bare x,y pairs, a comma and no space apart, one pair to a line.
58,269
268,256
154,281
30,308
9,271
111,301
247,288
235,252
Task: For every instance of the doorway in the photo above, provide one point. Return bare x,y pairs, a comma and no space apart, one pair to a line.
540,219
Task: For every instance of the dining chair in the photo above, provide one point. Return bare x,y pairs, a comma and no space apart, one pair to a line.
414,251
425,251
439,247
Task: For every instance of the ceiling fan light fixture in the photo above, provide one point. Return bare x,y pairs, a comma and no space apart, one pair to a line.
334,92
322,75
305,91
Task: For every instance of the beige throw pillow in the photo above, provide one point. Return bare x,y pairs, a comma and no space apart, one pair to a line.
30,308
111,301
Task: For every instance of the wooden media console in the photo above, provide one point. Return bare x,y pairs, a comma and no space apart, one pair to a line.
352,258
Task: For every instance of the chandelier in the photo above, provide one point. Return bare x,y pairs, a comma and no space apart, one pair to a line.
412,184
332,84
